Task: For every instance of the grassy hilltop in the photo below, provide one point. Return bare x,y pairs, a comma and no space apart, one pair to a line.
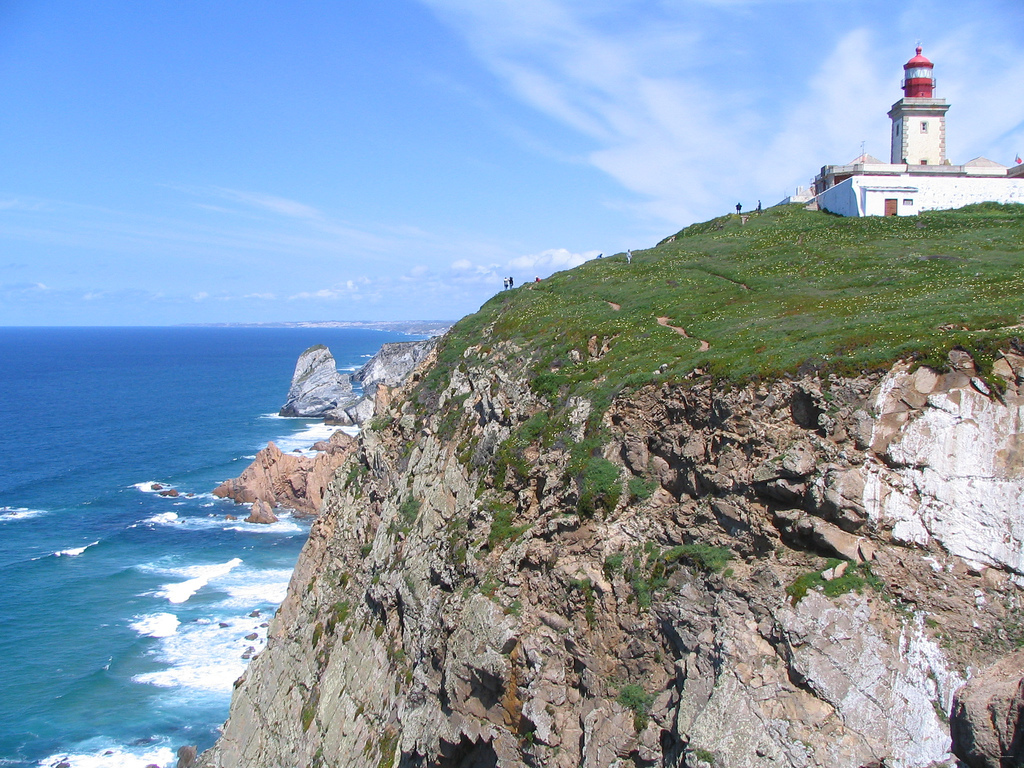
789,289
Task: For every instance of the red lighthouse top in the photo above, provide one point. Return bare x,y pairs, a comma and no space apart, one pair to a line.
918,82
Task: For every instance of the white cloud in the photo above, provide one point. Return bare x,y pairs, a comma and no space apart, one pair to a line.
272,203
693,105
551,260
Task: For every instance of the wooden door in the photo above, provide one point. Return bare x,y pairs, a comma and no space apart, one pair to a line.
890,207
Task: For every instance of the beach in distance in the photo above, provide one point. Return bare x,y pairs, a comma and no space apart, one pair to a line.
132,603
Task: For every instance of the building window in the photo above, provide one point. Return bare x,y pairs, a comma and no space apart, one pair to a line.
924,126
924,162
908,201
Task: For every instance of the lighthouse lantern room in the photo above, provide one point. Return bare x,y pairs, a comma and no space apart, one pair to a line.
918,82
919,119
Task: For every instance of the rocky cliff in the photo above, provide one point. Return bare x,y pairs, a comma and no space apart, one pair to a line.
778,574
744,500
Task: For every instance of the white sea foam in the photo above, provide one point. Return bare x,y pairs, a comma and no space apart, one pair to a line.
163,518
285,526
76,551
248,587
111,756
304,438
156,625
8,514
201,576
205,656
152,486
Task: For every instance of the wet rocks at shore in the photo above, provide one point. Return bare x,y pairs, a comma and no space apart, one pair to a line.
288,480
262,513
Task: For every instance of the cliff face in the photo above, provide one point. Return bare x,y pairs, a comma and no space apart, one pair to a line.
797,573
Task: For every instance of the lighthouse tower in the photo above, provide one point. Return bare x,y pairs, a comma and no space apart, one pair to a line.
919,119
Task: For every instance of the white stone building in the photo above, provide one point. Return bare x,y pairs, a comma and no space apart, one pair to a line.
918,176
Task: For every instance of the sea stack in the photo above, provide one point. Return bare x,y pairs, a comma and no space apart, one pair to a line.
317,388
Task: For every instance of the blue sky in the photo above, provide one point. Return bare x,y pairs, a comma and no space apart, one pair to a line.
178,161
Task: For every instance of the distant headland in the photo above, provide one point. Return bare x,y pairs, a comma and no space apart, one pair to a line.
418,327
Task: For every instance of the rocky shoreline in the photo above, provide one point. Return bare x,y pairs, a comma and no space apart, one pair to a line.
318,390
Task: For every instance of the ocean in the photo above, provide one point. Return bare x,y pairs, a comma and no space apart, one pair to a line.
126,614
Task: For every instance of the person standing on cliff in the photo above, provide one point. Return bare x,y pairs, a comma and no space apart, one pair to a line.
511,282
739,207
504,283
629,256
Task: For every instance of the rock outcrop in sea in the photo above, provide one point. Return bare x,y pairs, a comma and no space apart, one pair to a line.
789,573
393,364
318,390
289,480
299,482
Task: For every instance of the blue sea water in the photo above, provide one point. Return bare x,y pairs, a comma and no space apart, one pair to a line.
123,612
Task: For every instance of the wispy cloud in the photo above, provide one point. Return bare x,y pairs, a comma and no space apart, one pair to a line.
691,104
279,205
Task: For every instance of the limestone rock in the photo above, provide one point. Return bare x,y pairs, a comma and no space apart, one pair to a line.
953,474
317,388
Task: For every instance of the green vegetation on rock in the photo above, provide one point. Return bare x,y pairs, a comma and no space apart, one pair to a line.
635,698
502,529
853,579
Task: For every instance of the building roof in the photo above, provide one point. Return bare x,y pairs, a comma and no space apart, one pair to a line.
982,162
866,159
918,61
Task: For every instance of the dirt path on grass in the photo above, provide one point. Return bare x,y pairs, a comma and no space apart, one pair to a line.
704,346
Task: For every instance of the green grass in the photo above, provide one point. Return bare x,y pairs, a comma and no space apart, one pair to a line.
641,489
409,511
702,556
599,486
790,286
502,529
634,697
854,579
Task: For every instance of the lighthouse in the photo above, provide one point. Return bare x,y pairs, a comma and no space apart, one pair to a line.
919,119
918,176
